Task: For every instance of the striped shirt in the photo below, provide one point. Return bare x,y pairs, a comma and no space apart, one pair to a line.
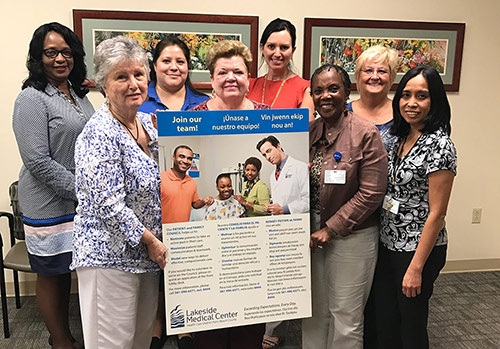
46,125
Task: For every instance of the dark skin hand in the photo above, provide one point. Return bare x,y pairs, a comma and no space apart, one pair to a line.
319,238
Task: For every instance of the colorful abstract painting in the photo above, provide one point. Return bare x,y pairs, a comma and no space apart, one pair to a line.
412,52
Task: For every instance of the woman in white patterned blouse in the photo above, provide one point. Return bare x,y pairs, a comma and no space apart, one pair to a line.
117,250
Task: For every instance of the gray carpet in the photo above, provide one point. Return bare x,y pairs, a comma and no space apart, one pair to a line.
465,313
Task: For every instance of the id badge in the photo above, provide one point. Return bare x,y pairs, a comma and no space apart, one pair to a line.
335,176
390,204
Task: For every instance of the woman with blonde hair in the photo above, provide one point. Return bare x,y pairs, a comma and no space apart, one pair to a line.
375,73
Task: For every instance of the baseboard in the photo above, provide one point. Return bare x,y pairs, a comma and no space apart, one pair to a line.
471,265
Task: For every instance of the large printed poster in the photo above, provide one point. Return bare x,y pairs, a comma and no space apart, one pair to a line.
242,270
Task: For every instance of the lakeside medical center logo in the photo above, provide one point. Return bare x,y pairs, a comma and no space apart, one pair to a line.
179,318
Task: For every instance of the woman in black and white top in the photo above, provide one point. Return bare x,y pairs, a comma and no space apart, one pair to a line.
422,167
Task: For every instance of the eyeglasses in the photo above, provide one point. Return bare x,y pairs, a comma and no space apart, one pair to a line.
370,71
53,53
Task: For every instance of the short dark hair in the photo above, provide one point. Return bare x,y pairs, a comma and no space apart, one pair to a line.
253,161
344,76
182,146
271,139
173,40
277,25
222,175
440,113
36,74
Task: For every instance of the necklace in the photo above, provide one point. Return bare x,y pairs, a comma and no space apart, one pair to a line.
277,93
367,111
70,99
136,139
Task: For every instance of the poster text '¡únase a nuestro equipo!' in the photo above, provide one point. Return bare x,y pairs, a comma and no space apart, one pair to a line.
208,314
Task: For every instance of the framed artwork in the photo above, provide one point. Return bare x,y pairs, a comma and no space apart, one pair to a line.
341,41
198,31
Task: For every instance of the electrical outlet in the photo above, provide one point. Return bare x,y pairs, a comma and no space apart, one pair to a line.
476,215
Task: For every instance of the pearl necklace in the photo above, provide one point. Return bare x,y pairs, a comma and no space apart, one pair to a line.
277,93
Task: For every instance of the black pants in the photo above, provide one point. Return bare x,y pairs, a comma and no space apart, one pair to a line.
401,322
242,337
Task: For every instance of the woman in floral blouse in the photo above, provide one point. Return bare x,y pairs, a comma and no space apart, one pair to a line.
422,166
117,251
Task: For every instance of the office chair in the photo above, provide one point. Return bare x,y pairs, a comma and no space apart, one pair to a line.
17,256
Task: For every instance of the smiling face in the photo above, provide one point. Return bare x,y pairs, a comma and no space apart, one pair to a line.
251,172
329,95
230,78
182,160
278,50
126,87
171,68
56,69
374,77
225,188
415,102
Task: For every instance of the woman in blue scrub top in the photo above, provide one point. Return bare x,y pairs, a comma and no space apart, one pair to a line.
170,87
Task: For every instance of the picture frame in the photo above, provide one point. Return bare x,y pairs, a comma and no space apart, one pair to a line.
342,40
199,31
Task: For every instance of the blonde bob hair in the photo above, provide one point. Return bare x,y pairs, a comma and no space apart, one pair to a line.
227,49
383,54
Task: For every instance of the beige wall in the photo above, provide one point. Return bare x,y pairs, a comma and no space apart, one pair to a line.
475,119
